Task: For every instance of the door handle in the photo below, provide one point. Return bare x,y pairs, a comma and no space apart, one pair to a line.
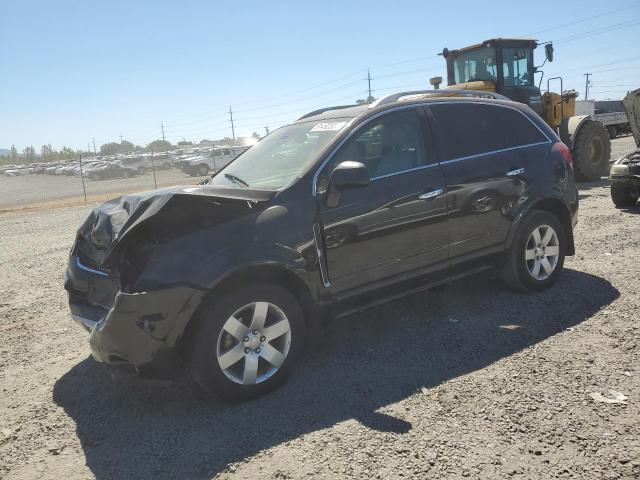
516,172
432,194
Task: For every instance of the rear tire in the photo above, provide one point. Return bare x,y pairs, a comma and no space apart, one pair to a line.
229,359
591,151
621,194
203,170
534,261
613,131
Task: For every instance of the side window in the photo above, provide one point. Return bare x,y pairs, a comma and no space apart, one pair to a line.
390,144
518,130
466,129
226,151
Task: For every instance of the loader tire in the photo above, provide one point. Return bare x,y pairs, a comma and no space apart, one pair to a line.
591,151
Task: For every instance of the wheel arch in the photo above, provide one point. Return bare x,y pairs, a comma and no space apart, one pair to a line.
269,273
555,207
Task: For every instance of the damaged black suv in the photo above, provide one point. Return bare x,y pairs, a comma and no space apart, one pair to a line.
343,209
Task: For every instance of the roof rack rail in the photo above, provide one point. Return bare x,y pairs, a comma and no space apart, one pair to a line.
394,97
326,109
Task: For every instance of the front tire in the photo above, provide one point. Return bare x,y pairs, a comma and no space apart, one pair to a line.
203,170
621,194
247,341
537,253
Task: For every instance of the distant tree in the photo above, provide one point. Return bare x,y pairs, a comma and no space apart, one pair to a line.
110,148
67,153
29,153
127,146
46,151
184,142
159,146
256,135
14,152
365,101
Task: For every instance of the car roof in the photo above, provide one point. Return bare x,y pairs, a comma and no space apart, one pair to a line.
354,111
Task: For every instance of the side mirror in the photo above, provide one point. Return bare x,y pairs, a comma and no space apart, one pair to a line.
347,174
548,51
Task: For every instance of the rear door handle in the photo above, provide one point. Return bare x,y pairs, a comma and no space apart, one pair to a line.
516,172
432,194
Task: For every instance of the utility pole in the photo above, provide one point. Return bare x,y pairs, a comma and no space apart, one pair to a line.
369,98
586,86
88,148
94,145
233,131
120,138
162,127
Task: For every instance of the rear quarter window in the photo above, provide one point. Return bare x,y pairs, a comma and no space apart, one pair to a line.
466,129
518,129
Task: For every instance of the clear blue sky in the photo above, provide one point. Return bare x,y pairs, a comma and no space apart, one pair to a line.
73,70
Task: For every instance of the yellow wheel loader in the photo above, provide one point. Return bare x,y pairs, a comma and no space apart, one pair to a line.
505,66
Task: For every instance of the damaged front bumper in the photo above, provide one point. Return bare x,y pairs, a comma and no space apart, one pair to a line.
138,332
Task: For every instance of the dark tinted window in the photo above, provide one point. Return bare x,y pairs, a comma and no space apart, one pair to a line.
466,129
389,144
517,128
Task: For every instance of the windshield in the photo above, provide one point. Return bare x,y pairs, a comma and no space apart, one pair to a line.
475,65
280,157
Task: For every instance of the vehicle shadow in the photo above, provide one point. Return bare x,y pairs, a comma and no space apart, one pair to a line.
369,360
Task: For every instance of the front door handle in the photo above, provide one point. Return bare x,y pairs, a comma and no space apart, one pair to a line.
432,194
516,172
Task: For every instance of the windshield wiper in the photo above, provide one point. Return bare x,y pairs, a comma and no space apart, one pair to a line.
235,179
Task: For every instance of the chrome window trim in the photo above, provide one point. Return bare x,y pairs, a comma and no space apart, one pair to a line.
476,155
422,167
314,183
91,270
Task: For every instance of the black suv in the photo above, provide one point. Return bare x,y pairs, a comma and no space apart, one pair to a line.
343,209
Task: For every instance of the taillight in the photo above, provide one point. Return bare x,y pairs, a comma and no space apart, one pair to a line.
564,151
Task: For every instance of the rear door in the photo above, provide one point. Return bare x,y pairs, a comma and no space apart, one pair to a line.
485,172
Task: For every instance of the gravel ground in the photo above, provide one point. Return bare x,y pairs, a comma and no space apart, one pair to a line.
471,381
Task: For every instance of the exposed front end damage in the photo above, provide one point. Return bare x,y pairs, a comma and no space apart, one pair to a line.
134,302
625,172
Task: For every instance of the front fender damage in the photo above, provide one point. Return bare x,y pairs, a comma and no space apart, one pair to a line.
141,330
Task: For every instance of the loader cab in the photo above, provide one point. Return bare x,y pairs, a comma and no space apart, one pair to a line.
504,66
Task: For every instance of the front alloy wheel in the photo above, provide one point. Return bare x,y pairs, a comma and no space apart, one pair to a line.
254,343
247,340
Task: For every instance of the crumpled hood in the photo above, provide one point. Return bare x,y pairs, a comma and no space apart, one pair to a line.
632,106
167,209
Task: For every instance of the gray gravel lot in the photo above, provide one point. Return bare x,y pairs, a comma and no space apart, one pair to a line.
37,189
472,381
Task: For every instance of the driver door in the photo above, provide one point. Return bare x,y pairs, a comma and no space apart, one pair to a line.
397,223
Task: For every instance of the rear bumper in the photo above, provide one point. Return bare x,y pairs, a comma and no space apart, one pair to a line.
138,333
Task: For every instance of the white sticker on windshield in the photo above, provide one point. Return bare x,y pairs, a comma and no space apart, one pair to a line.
328,126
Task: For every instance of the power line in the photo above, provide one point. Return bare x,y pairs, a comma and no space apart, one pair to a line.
598,31
592,17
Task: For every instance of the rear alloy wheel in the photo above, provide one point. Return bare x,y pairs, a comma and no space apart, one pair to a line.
203,170
542,252
537,253
247,341
621,194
